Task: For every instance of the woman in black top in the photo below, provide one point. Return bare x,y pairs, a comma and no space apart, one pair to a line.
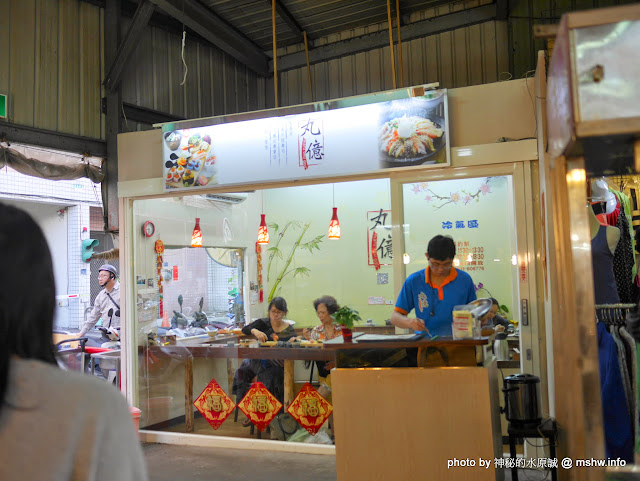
274,327
268,372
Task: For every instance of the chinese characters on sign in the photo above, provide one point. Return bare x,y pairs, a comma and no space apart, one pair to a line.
310,142
260,406
275,141
460,224
310,409
471,258
379,242
214,404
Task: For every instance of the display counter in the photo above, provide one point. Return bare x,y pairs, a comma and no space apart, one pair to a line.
434,423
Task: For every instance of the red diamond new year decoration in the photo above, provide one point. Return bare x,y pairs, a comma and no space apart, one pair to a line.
260,405
310,409
214,404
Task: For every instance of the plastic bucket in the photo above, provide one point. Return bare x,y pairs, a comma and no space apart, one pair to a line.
135,415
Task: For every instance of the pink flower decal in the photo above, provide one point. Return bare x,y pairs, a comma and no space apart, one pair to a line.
485,188
455,197
467,199
428,198
416,188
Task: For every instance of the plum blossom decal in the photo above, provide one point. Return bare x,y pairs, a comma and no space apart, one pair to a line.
461,197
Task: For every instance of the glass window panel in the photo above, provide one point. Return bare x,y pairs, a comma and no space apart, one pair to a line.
478,213
300,264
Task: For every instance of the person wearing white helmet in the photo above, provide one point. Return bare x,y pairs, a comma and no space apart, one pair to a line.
106,300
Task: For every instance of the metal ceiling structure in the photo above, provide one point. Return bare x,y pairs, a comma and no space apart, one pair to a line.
242,28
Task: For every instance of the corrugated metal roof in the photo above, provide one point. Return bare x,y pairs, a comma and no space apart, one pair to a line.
319,18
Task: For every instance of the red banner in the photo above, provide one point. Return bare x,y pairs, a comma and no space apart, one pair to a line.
260,405
214,404
310,409
374,251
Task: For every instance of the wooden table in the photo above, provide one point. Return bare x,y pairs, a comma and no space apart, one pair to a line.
440,352
197,348
431,353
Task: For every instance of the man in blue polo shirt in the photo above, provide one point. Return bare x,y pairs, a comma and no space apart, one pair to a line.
433,292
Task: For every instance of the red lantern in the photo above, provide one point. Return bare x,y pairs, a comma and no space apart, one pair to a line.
196,236
263,233
334,225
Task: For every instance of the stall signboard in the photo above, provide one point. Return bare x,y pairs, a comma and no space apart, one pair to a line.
379,240
328,143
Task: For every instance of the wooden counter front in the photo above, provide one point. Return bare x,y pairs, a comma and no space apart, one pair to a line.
407,423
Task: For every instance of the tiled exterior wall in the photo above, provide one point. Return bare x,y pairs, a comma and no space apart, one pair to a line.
78,271
77,197
18,186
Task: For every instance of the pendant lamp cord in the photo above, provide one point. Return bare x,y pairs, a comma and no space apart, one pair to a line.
184,37
333,187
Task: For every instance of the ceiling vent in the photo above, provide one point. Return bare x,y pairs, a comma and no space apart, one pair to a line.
234,198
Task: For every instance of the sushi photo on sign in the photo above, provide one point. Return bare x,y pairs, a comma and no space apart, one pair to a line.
413,131
189,159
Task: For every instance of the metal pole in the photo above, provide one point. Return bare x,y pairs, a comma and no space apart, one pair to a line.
275,53
399,44
306,52
393,61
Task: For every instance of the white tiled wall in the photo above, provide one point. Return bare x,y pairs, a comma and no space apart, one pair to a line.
16,185
72,200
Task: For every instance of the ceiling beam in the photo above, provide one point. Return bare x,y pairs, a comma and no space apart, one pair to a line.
204,22
159,19
144,115
132,39
289,19
53,140
423,28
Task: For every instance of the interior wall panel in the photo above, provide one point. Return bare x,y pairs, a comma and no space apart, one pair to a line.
46,65
90,80
467,56
22,63
68,68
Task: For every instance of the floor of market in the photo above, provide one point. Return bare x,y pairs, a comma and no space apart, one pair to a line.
167,462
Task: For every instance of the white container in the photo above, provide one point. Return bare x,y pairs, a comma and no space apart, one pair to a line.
463,323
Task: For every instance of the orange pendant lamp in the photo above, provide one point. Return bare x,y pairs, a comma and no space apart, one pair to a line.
196,236
263,232
334,224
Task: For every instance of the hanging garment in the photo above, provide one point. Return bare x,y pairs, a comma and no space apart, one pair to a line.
617,429
623,261
632,360
604,280
626,208
612,219
624,370
634,196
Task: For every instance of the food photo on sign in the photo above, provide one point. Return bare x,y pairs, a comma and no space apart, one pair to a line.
414,131
190,158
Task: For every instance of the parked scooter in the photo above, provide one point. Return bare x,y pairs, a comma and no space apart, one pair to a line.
105,337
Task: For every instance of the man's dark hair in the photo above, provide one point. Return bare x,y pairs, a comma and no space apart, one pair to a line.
494,301
441,248
329,301
27,293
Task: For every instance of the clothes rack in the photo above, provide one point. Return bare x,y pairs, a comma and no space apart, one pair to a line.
613,314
